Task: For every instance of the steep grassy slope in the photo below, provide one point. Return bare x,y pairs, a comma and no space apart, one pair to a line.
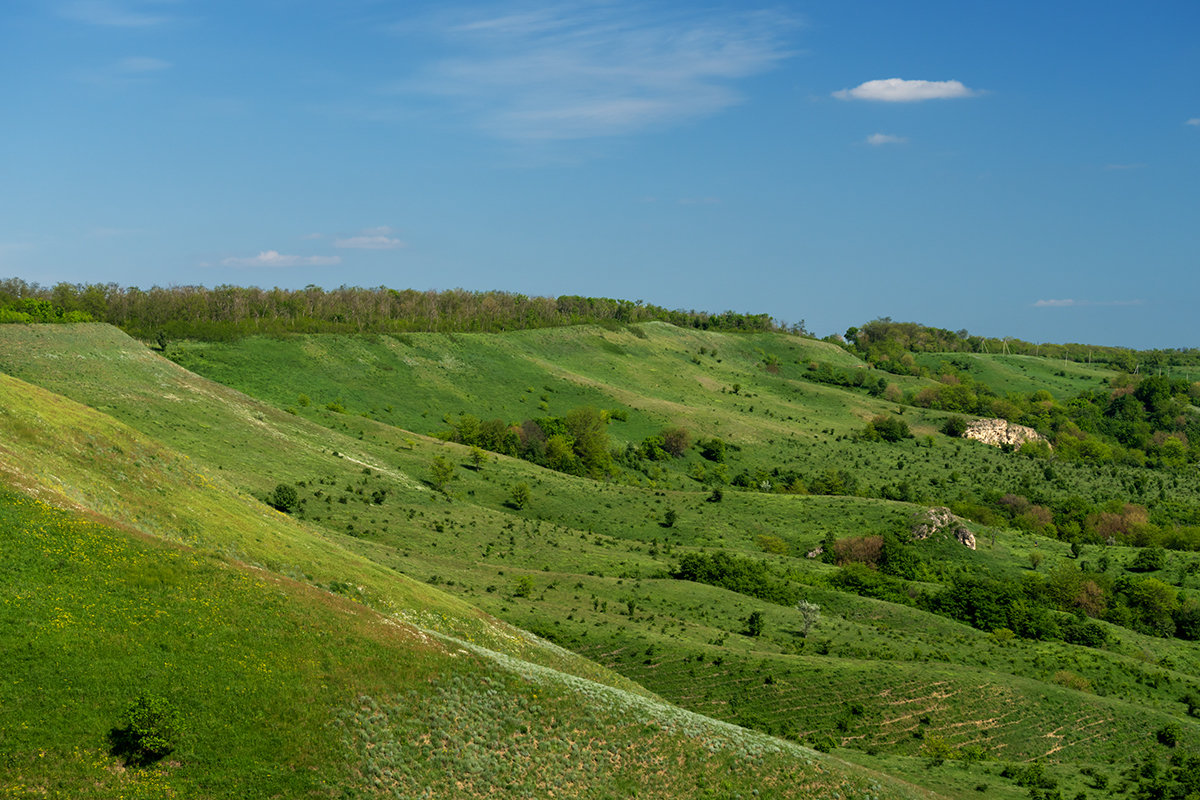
288,688
585,563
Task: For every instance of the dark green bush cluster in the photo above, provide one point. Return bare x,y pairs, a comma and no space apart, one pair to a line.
670,443
862,580
785,481
576,444
33,309
886,428
823,372
1179,780
742,575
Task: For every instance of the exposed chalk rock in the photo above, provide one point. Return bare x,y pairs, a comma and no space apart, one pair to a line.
998,432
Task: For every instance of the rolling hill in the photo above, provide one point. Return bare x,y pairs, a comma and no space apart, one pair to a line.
179,454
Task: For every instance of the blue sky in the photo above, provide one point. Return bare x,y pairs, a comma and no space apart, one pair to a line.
1023,169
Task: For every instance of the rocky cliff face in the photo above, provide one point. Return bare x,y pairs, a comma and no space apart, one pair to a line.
997,432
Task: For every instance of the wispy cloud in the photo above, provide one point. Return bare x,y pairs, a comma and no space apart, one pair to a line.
1072,303
114,14
898,90
1193,121
880,139
273,258
1119,167
600,68
369,243
378,238
699,201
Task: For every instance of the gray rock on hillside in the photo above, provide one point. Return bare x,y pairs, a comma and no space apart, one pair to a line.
941,520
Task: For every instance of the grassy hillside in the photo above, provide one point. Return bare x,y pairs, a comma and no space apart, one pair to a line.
285,690
1020,373
587,564
129,569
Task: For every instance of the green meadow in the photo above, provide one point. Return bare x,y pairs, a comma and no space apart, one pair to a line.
555,628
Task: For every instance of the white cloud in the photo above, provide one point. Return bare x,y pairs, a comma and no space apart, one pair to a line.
108,13
1193,121
1071,303
898,90
1119,167
1055,303
599,69
879,139
369,243
273,258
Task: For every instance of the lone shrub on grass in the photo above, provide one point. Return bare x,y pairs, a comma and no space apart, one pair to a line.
284,498
151,729
886,428
954,427
810,616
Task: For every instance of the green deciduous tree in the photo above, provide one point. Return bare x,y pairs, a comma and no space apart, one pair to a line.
441,472
589,435
151,728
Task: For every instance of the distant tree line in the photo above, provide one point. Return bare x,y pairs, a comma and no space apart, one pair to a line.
890,345
227,313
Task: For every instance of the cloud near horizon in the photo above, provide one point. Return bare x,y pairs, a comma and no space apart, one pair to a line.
377,238
899,90
599,69
273,258
369,243
1072,303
